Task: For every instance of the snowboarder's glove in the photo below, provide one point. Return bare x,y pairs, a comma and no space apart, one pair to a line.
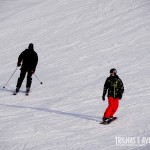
103,97
18,64
120,96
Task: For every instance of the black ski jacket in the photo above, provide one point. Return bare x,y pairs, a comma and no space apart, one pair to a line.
115,87
29,60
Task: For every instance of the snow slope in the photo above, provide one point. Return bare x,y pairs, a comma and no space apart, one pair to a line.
78,42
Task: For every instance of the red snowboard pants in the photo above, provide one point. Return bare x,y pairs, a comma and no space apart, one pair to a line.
113,104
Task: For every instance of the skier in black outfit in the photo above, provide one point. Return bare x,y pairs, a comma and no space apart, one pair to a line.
28,60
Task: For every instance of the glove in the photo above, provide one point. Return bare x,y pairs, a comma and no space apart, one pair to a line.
120,96
18,64
32,71
103,97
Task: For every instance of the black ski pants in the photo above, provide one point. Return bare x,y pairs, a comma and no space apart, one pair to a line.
22,76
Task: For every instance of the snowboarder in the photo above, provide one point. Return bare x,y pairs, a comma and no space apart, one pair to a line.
115,88
28,60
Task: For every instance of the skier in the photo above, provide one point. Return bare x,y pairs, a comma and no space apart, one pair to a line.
28,60
115,88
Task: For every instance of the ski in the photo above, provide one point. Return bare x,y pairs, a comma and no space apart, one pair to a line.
27,94
27,91
15,93
110,121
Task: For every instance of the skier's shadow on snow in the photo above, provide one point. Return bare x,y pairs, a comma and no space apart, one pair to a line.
5,89
9,90
81,116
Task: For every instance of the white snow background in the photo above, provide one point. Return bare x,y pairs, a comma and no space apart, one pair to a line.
78,42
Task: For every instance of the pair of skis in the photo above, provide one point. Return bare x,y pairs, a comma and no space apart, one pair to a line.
26,93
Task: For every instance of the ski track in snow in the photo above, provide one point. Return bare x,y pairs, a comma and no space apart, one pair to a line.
77,43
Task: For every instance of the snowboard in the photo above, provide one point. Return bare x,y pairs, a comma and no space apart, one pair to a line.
110,121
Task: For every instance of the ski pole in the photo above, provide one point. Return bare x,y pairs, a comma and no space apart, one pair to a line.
38,79
10,77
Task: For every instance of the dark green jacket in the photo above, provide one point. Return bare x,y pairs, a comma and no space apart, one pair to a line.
115,87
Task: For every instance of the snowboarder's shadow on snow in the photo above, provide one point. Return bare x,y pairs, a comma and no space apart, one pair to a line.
81,116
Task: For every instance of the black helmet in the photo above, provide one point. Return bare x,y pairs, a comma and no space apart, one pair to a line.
31,46
113,70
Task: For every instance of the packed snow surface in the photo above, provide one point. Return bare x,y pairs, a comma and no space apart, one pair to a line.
78,42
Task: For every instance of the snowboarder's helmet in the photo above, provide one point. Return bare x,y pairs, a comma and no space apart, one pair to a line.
113,70
31,46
